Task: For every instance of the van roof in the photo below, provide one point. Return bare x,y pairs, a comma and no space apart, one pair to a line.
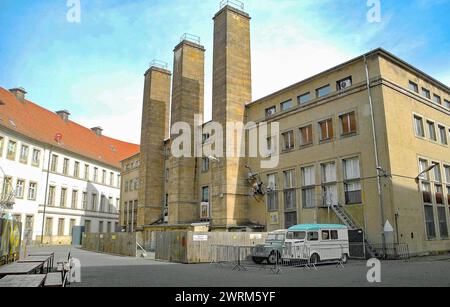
309,227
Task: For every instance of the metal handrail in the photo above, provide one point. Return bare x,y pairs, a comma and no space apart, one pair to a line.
191,38
234,3
160,64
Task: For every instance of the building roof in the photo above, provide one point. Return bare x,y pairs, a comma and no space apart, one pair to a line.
314,227
37,123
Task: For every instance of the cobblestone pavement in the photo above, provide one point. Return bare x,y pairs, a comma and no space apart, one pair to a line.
100,270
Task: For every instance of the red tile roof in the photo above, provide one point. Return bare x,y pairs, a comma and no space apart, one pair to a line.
33,121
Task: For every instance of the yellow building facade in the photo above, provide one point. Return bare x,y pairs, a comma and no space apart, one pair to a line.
364,144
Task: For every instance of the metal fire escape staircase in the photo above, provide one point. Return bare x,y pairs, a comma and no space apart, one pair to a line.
347,219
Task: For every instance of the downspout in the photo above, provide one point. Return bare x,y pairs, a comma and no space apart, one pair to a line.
46,193
377,160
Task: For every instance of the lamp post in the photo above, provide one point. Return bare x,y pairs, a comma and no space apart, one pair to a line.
428,169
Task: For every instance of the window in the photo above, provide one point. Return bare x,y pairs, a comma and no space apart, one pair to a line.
11,150
24,150
290,201
426,193
290,219
205,137
326,235
54,163
2,141
437,99
429,222
286,105
205,164
136,184
344,83
431,130
413,87
36,158
288,140
304,99
334,235
103,177
66,167
102,203
442,217
272,199
71,226
74,199
7,185
95,174
61,223
326,130
423,165
418,126
100,227
447,173
352,181
32,189
118,180
205,194
443,135
49,226
323,91
76,169
348,123
271,111
51,195
94,202
20,187
111,179
437,172
306,136
126,186
110,205
447,105
63,197
108,228
86,172
439,195
329,187
84,201
313,236
426,93
308,187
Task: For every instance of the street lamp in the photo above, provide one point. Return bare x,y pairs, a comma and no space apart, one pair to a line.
429,168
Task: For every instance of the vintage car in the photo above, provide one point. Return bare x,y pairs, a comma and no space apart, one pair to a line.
272,250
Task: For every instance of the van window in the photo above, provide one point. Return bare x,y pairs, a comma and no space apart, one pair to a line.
290,235
313,236
325,235
299,235
334,235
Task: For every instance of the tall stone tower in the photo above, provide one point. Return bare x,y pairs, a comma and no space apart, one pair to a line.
187,100
155,122
232,90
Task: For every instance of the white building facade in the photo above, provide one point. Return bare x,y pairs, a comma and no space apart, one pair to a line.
57,189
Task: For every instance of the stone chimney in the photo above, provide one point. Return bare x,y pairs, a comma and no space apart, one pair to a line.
63,114
98,130
19,93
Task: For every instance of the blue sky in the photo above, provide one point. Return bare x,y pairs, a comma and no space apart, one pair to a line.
95,68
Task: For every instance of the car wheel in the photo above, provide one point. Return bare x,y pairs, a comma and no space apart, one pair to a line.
344,258
258,260
272,258
315,259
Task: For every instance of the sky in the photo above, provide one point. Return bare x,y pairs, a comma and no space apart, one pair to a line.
94,68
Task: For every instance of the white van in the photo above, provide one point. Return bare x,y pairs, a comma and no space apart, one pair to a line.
317,243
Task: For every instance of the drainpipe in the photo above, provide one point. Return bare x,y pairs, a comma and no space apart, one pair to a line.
46,194
377,160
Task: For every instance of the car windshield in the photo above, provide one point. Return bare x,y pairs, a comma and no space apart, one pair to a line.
275,237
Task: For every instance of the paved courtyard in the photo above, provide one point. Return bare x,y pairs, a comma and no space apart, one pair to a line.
100,270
